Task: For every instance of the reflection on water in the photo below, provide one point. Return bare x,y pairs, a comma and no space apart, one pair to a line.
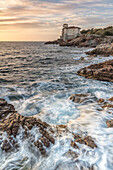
38,79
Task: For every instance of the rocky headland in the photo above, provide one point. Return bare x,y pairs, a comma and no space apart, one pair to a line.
103,50
11,122
84,41
102,71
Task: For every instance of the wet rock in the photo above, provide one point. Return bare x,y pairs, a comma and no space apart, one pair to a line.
71,154
102,71
111,99
62,126
108,105
81,98
6,145
74,145
3,102
40,147
50,138
87,141
109,123
101,100
11,121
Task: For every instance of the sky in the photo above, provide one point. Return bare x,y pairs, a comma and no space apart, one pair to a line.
42,20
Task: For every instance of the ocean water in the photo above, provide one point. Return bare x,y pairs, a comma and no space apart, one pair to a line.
38,79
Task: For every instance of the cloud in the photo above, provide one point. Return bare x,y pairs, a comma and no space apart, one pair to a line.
51,14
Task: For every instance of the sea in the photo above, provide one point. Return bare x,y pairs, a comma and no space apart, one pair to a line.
38,79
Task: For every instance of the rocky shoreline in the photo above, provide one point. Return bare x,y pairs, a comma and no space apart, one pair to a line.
102,71
84,41
103,50
103,47
11,122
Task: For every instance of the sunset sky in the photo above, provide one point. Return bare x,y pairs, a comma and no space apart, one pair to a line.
42,20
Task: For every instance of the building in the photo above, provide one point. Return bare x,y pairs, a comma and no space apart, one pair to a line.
69,33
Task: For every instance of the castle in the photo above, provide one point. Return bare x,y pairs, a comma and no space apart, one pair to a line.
69,33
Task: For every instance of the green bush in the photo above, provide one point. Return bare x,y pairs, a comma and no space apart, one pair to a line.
108,31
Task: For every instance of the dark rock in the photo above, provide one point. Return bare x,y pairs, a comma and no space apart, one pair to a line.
40,147
81,98
87,141
45,141
53,42
11,122
74,145
111,99
6,145
108,105
2,102
101,100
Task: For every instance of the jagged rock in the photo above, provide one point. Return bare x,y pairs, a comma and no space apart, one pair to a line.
87,41
11,122
81,98
74,145
87,141
103,49
40,147
6,145
102,71
45,141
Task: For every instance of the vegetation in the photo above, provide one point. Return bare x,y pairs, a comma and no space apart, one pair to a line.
108,31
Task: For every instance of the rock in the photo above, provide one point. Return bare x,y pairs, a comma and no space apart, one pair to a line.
108,105
103,49
11,122
101,100
71,154
111,99
82,58
45,141
2,102
102,71
53,42
74,145
81,98
87,41
6,145
109,123
40,147
87,141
